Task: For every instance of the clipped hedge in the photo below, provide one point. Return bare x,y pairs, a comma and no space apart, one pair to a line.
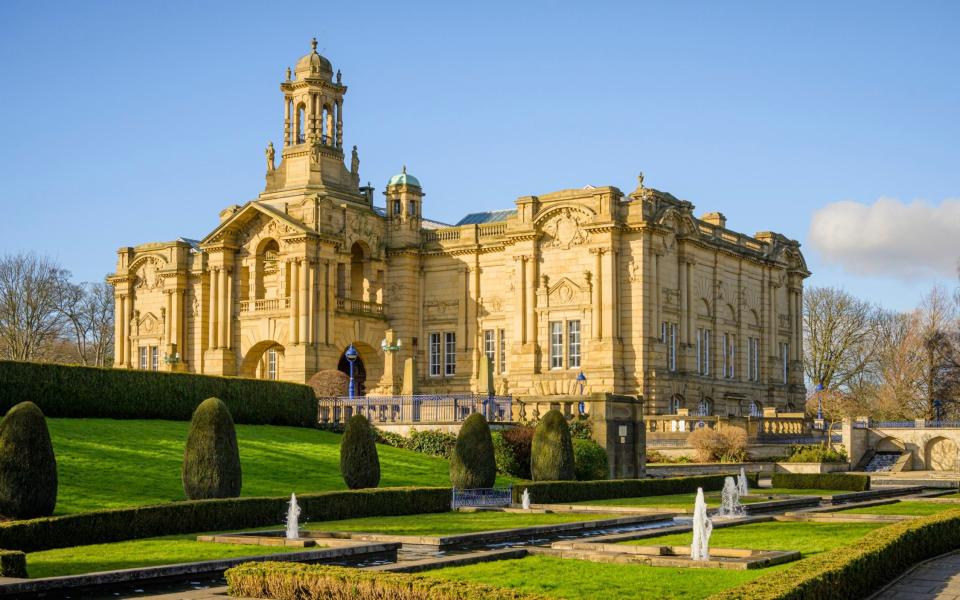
211,458
856,570
822,481
293,581
13,563
191,516
561,492
473,464
93,392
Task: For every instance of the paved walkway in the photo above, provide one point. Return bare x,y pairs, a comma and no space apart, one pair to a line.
938,579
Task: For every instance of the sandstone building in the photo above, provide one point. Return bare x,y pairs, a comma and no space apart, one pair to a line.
633,290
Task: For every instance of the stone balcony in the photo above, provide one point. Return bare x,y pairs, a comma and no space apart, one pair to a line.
264,305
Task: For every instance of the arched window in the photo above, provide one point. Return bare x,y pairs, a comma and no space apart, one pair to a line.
301,126
706,407
358,281
412,211
756,409
676,403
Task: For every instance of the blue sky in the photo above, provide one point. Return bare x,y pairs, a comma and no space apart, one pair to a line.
128,122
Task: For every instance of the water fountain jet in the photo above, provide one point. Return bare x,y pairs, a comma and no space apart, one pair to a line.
730,500
525,499
742,484
702,528
293,519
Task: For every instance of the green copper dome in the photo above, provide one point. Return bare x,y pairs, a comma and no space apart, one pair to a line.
404,179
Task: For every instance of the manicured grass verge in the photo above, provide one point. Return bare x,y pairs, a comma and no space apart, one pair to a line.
284,581
855,571
666,501
576,580
451,523
808,538
566,492
583,580
106,463
140,553
832,481
904,507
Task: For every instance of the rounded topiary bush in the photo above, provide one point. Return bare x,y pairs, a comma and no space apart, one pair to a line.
590,460
330,383
551,452
359,463
473,464
211,459
28,467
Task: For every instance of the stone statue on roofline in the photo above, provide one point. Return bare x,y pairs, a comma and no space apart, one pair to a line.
270,153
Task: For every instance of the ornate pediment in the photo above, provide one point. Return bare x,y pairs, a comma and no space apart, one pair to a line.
565,291
146,273
149,325
564,227
254,220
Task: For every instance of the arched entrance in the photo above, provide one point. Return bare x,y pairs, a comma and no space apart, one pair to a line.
263,361
941,454
359,373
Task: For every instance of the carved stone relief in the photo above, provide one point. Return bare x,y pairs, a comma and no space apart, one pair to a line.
565,230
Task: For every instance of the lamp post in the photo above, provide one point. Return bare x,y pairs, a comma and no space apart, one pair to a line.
582,380
351,355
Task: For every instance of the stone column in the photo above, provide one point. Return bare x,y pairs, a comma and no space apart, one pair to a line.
531,299
286,121
610,320
520,298
325,304
330,136
228,309
340,123
688,275
598,329
118,333
304,305
212,312
180,333
222,295
127,318
294,302
655,285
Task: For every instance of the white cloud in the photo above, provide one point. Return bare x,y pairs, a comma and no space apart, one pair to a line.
890,238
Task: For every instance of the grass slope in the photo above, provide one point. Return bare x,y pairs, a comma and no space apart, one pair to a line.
138,553
104,463
582,580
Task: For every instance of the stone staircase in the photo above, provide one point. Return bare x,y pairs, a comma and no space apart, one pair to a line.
882,462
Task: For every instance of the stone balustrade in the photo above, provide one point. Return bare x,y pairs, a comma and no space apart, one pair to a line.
264,305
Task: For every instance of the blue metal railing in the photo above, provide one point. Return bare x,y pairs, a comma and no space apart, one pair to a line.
482,497
445,408
894,424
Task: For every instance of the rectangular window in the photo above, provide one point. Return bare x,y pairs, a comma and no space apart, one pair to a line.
784,359
573,344
143,358
450,353
396,208
732,354
154,358
703,351
490,346
672,346
753,359
434,354
556,344
341,280
502,367
663,332
271,364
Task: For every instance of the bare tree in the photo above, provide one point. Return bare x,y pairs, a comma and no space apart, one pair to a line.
938,325
839,338
30,319
88,308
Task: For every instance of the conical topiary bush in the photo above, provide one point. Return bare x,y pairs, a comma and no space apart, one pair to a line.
28,467
473,464
211,459
359,463
551,453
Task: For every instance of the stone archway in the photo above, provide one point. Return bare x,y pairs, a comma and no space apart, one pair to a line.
890,444
255,361
940,454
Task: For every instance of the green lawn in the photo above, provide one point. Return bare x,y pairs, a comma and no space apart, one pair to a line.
138,553
712,498
434,524
104,463
904,507
582,580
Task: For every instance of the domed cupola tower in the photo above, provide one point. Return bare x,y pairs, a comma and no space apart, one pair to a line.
404,208
312,153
